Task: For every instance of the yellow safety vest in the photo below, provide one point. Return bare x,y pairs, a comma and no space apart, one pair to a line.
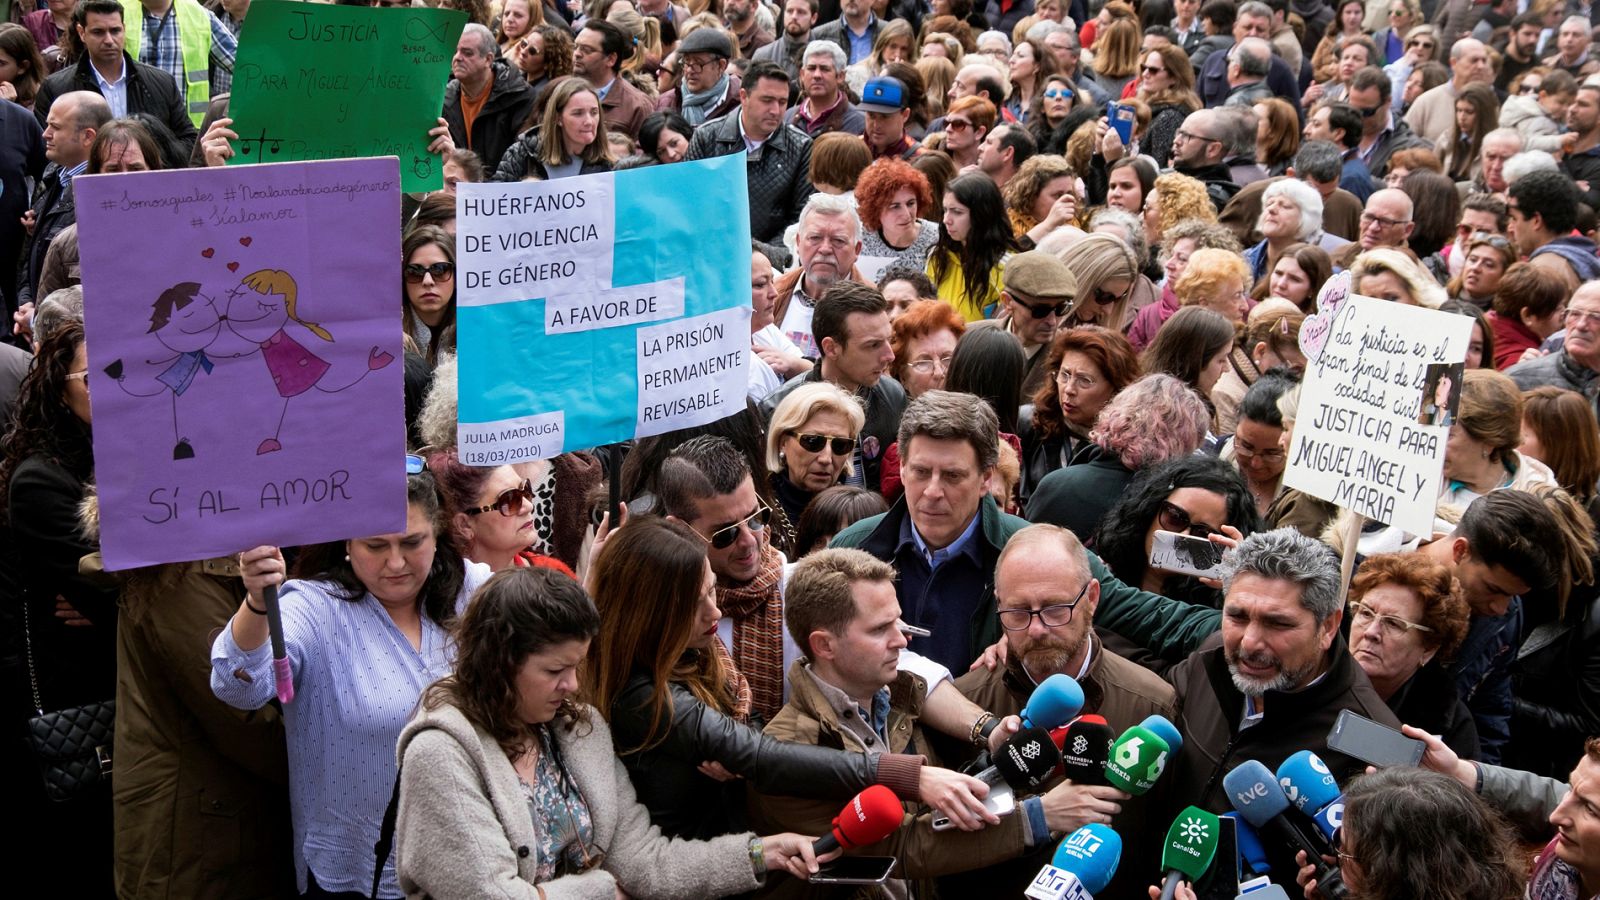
194,39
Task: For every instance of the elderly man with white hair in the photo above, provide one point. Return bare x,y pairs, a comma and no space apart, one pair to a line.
1573,41
1499,146
1291,213
829,241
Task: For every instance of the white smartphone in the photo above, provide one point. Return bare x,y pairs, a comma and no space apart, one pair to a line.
1002,801
1185,553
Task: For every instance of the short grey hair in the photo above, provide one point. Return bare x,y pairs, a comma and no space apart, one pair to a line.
994,36
1287,555
822,204
833,51
436,423
1238,127
1131,224
487,45
951,416
1582,21
1320,160
1254,8
1039,31
1253,56
1302,195
60,308
1526,163
1506,134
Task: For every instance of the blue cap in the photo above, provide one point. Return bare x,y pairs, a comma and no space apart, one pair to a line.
883,95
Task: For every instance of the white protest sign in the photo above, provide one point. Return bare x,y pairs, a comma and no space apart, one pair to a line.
1365,437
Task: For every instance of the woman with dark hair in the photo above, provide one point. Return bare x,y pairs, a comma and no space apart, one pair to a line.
1346,23
1413,834
1277,134
1041,197
1559,430
1087,367
490,510
940,170
1529,305
1477,112
1031,66
1192,347
124,145
1166,82
831,512
571,140
1193,495
1407,619
991,369
675,702
22,67
366,624
1050,107
508,783
428,309
1259,445
664,136
892,197
1297,276
1128,181
1486,258
1152,420
544,55
1438,209
1480,454
974,237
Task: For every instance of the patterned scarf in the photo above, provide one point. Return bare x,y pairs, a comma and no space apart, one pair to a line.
738,685
757,617
1553,879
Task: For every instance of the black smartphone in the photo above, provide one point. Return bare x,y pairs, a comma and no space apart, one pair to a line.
1366,740
855,870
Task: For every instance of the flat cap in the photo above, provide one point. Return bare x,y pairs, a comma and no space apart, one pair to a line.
706,40
1038,275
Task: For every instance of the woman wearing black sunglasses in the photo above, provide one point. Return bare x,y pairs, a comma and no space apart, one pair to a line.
428,308
811,443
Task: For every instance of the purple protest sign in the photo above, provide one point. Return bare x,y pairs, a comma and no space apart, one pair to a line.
244,343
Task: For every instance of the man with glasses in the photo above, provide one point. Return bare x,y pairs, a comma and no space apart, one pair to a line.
1381,134
1433,113
1037,290
1575,366
1387,221
1046,597
1199,151
824,106
1581,163
487,99
598,53
1278,682
1544,212
708,90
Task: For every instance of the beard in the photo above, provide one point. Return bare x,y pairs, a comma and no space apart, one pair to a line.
1286,679
1051,655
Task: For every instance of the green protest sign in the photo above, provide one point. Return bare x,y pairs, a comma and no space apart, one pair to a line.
320,81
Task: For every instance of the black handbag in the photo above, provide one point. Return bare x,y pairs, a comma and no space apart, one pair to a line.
72,746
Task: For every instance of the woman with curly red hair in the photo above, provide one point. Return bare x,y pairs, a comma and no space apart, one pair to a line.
891,197
1087,367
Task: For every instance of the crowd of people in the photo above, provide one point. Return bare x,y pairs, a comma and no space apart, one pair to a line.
1028,279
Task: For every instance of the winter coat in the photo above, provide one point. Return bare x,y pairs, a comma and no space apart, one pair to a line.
503,115
150,90
779,171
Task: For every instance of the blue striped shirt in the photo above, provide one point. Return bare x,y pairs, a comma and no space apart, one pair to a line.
161,48
356,682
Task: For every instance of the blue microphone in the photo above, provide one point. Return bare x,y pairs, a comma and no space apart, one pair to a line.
1165,730
1053,703
1313,790
1083,865
1251,850
1254,791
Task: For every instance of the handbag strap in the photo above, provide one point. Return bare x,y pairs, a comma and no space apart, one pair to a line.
386,834
27,642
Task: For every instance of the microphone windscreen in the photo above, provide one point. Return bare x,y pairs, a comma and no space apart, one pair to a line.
1136,760
1054,702
1255,793
1251,850
1191,843
1306,780
1091,853
1165,730
1084,749
1028,759
869,817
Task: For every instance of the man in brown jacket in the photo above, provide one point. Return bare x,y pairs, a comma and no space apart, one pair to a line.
849,694
1049,629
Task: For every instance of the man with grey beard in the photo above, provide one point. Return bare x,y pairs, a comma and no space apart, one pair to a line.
1278,681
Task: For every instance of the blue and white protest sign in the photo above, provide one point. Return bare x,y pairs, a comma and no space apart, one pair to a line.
600,308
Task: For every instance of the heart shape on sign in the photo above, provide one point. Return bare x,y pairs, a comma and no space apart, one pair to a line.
1314,333
208,252
378,358
244,241
233,267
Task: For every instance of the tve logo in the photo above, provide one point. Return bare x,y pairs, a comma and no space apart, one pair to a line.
1256,791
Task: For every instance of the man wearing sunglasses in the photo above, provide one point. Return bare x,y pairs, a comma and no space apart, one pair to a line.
1381,134
1037,291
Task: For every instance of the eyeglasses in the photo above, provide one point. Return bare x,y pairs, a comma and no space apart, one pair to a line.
1368,219
694,65
813,443
415,465
956,124
1058,94
1151,70
1186,136
513,502
1338,844
1575,316
1361,616
1054,616
1245,451
927,366
723,537
1084,382
441,271
1426,45
1173,517
83,375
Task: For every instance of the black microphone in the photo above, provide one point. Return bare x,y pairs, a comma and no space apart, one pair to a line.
1085,746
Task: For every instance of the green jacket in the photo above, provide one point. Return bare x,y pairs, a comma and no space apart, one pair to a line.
1169,628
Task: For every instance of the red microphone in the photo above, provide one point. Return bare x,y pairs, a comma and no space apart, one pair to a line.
868,818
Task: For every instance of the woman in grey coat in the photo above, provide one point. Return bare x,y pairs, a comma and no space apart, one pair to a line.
520,794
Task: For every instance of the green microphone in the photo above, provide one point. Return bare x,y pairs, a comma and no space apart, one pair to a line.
1136,760
1191,844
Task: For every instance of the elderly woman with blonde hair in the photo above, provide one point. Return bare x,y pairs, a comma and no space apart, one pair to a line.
1390,274
1105,267
811,443
1216,280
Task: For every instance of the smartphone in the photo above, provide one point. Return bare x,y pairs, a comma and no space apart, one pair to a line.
1379,745
855,870
1121,118
1002,801
1185,553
